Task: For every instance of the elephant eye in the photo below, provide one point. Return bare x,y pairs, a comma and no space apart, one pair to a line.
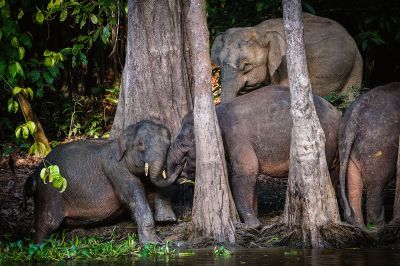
247,68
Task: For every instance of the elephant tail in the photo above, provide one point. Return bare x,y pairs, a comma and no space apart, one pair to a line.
347,137
29,189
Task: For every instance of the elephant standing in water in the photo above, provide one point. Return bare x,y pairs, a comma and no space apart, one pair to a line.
368,150
104,179
256,129
255,56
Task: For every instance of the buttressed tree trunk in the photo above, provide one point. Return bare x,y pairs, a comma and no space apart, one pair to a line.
396,213
213,209
310,198
156,78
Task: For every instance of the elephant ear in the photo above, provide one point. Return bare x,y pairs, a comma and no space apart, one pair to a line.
216,49
119,146
276,51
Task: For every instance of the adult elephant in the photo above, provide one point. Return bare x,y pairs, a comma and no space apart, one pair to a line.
256,130
105,178
255,56
368,150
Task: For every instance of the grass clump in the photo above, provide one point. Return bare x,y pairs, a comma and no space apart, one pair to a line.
59,249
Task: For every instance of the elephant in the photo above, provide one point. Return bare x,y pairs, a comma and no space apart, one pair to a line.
105,179
368,151
252,57
256,131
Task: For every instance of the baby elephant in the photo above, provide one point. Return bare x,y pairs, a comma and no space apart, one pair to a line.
368,147
103,181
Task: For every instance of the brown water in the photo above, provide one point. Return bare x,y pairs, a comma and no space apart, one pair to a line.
354,257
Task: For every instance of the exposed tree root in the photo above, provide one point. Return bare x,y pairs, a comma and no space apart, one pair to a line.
278,234
390,234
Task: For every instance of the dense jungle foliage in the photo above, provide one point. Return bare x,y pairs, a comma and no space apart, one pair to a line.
66,56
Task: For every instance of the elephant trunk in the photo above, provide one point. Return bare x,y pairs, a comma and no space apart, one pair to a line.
158,175
230,86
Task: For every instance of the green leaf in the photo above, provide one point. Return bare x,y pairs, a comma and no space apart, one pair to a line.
33,150
26,40
25,132
42,149
83,58
105,34
47,52
28,92
39,17
18,132
31,126
76,48
49,61
12,106
44,174
2,3
93,19
64,185
21,52
48,77
34,75
16,90
12,69
63,15
14,41
20,14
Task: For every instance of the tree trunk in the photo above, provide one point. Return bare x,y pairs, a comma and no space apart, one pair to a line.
213,209
156,77
396,213
29,115
310,198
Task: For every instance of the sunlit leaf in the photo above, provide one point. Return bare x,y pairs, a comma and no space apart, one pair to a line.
63,15
39,17
31,126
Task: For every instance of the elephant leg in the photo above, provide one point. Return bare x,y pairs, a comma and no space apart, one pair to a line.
48,219
162,209
375,208
355,188
244,167
140,211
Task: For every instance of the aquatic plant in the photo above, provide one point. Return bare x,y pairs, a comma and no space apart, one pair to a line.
59,249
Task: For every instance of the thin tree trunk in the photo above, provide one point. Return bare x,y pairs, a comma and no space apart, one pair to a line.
213,209
29,115
396,213
310,198
156,77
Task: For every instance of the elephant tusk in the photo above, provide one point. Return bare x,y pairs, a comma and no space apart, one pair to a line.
146,169
164,175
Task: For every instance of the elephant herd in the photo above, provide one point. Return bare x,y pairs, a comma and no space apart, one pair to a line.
108,177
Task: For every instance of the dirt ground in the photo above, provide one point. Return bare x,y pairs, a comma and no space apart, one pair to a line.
16,222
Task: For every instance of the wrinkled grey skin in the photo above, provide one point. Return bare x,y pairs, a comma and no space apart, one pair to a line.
368,147
252,57
256,130
105,178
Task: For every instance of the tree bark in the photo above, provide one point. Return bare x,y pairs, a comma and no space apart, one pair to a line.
29,115
396,213
214,212
310,198
156,77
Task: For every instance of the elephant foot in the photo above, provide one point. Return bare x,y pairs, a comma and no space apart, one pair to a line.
252,222
164,214
149,237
